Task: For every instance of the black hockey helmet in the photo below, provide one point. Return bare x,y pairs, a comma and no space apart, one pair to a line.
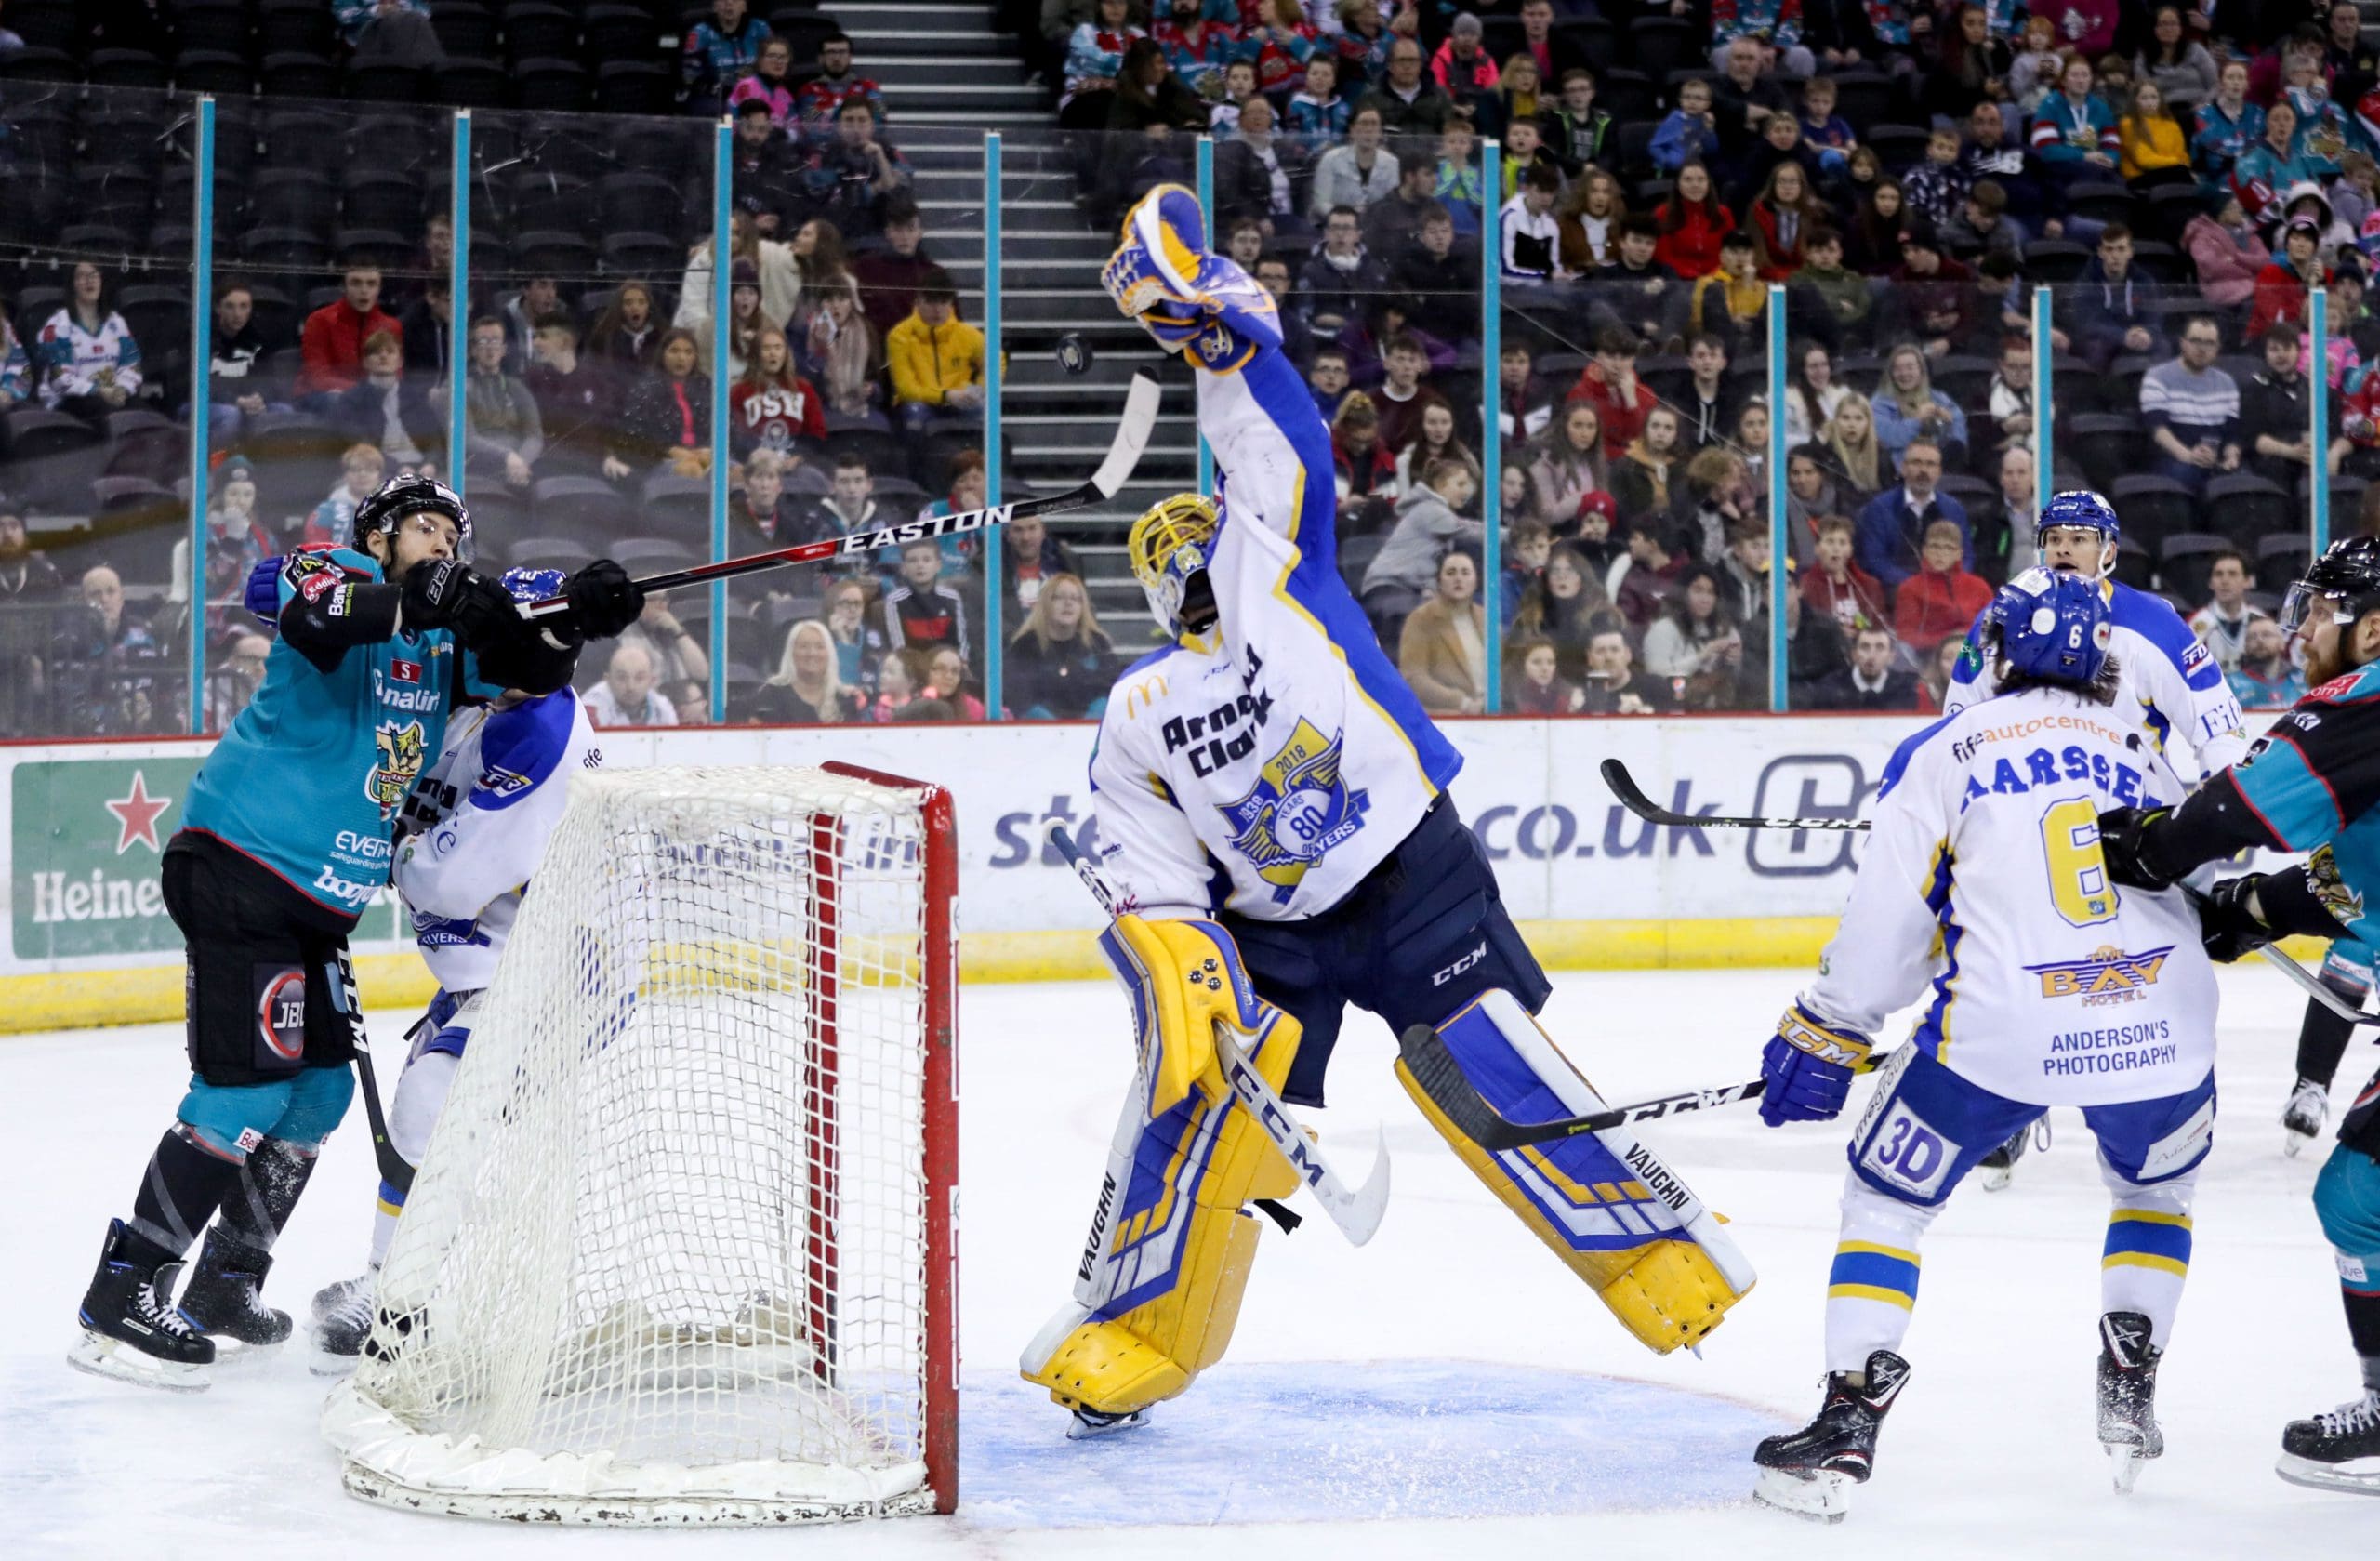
2347,578
408,495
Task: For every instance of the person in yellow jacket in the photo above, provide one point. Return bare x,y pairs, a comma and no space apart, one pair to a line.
937,358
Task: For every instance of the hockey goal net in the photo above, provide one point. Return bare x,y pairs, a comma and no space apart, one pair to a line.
681,1250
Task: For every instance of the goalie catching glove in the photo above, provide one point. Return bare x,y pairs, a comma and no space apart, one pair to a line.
1807,1068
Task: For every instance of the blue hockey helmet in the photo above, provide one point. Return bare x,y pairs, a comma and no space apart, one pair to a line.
2052,627
2078,509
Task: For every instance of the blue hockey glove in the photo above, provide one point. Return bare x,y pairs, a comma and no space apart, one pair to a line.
1807,1068
263,594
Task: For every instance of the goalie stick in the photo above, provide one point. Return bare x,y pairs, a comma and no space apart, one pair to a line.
1123,455
1357,1213
1631,797
1441,1078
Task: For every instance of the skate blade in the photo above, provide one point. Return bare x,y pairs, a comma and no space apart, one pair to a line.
1996,1178
1081,1430
2293,1143
103,1356
236,1355
2123,1465
1822,1496
2361,1478
324,1362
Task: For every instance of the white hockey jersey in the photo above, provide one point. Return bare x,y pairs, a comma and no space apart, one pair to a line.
1269,766
477,825
2164,670
1983,877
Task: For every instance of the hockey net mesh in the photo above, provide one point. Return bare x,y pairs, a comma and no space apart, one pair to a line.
666,1256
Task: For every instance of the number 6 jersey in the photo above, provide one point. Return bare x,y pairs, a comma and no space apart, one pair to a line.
1983,878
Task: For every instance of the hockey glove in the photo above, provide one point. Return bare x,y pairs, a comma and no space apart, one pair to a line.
1806,1068
604,601
2229,925
263,596
448,594
2129,841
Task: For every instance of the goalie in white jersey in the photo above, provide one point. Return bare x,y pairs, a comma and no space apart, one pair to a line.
1983,879
1270,803
473,830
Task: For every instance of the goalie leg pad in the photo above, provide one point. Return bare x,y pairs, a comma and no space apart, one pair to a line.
1171,1244
1608,1206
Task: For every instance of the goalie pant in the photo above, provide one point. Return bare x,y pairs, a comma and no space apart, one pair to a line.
1277,775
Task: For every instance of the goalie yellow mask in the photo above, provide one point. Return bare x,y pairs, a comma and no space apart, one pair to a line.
1168,547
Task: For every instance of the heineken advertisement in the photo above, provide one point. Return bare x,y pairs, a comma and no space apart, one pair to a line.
85,838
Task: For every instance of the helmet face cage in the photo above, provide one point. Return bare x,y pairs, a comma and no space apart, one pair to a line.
401,498
2348,576
1168,545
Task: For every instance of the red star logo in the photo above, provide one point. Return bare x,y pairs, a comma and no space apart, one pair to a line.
137,812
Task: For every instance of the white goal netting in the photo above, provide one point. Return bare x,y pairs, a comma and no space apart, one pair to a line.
680,1247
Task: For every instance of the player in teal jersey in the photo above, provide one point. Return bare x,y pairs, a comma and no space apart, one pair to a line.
285,836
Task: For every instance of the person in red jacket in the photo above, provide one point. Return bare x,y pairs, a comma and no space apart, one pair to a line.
1942,597
1692,222
332,344
2282,285
1611,386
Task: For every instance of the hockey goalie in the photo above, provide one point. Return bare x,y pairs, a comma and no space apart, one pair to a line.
1272,809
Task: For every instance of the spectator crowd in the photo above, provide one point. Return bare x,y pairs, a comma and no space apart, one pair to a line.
1910,174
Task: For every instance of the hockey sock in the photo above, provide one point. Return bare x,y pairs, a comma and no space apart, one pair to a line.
2322,1041
268,1188
1872,1287
184,1185
384,1222
2148,1252
2363,1329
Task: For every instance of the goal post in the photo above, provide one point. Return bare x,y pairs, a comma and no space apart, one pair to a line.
683,1249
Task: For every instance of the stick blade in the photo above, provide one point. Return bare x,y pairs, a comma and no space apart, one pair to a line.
1132,436
1363,1212
1442,1079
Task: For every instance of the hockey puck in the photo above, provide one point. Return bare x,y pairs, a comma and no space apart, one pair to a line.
1073,353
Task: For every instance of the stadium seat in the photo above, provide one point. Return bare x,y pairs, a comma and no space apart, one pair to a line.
1899,147
159,316
143,442
52,459
553,252
539,32
2152,507
136,67
384,247
677,510
40,64
378,198
1594,37
582,507
213,71
2244,506
618,32
1636,148
553,85
643,203
296,137
1628,96
566,553
49,24
1659,44
471,82
1966,379
292,73
382,81
643,556
2101,200
2055,260
2184,561
296,26
1862,99
499,519
2282,557
2135,565
639,87
464,29
2106,446
292,198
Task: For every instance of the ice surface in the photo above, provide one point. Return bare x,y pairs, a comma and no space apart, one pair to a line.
1448,1389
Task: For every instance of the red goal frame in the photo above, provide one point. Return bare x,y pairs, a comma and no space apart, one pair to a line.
938,983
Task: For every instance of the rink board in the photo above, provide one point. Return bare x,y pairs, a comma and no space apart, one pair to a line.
1593,886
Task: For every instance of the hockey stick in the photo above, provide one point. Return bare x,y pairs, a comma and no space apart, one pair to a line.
394,1168
1442,1078
1123,455
1631,797
1357,1213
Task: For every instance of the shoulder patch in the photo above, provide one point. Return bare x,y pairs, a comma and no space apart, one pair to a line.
520,748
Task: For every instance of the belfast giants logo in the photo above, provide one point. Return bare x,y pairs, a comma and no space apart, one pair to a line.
402,750
1299,809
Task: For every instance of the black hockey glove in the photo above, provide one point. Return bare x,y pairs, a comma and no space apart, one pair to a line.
604,601
448,594
2128,840
2228,926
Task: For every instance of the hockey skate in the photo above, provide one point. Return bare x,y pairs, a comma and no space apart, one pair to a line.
2000,1165
1088,1424
2302,1118
131,1330
1810,1472
222,1298
342,1321
2127,1396
2336,1450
